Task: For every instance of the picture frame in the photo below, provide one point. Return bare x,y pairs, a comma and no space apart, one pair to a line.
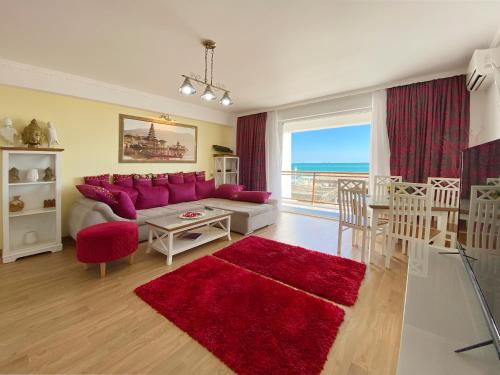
153,140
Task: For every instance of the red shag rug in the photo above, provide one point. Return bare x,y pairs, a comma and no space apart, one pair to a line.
334,278
253,324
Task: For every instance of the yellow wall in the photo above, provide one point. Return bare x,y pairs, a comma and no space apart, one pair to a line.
88,131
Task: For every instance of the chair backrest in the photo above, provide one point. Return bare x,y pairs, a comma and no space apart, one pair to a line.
352,202
410,207
383,185
483,224
446,193
493,181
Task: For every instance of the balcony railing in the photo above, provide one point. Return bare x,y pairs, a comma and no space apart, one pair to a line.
315,187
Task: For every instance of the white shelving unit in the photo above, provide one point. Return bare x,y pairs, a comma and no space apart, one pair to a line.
227,169
45,222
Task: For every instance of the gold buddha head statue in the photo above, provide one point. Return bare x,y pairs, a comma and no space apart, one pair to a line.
32,134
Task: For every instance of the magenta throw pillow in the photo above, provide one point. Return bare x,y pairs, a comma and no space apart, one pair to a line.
200,176
131,192
100,180
189,177
151,196
123,206
125,180
142,180
160,181
251,196
226,191
176,178
182,192
97,193
205,189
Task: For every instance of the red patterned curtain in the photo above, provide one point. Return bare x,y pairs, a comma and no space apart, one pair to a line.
250,147
428,127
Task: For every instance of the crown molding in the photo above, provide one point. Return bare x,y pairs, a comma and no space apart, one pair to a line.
33,77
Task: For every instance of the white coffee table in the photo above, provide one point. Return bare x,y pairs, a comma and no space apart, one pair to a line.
165,232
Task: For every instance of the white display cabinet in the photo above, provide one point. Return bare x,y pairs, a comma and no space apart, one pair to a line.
35,229
227,170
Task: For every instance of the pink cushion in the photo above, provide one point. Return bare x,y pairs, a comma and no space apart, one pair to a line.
205,189
251,196
151,196
131,192
100,180
125,180
176,178
97,193
226,191
142,180
182,192
200,176
160,181
124,206
106,241
189,177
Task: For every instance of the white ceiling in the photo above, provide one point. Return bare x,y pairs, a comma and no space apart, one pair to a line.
269,53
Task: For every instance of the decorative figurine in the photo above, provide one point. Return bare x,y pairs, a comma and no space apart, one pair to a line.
14,175
30,237
49,175
16,204
8,133
32,175
32,134
51,135
49,203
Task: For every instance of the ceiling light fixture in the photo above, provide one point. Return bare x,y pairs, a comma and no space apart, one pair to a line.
187,87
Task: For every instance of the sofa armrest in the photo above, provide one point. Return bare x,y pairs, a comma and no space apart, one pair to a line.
86,212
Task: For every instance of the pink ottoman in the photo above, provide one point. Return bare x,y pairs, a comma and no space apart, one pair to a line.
105,242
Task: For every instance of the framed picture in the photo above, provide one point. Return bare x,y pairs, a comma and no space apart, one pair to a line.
150,140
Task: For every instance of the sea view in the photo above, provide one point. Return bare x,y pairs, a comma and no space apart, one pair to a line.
331,167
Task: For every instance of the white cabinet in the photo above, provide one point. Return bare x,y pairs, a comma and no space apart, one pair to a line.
36,228
227,170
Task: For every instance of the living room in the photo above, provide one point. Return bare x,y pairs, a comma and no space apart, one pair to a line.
148,175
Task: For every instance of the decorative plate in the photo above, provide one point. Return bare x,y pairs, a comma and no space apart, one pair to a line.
191,215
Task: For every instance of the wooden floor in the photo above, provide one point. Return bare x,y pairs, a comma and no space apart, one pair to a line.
56,318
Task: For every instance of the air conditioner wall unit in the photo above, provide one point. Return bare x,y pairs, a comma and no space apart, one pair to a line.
482,66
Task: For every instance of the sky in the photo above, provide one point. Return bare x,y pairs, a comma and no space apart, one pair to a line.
349,144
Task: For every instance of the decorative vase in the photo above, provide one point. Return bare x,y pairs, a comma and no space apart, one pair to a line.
16,204
32,175
30,237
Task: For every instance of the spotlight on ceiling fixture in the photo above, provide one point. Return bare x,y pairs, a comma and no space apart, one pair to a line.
226,100
208,94
187,88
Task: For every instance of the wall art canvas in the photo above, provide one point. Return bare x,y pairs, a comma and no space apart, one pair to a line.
149,140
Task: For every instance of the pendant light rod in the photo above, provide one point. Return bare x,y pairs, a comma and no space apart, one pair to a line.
201,82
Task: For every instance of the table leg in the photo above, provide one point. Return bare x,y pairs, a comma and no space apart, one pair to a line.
442,220
228,228
373,234
170,248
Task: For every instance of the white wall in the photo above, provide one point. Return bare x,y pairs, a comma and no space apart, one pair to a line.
484,116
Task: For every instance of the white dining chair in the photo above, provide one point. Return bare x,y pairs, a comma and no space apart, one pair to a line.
381,190
446,193
410,208
353,211
483,225
382,185
493,181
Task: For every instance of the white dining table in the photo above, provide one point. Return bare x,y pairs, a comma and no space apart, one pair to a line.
381,205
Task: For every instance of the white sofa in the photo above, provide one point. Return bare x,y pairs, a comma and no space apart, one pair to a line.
246,218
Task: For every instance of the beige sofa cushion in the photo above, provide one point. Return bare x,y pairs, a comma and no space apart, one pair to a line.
245,208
